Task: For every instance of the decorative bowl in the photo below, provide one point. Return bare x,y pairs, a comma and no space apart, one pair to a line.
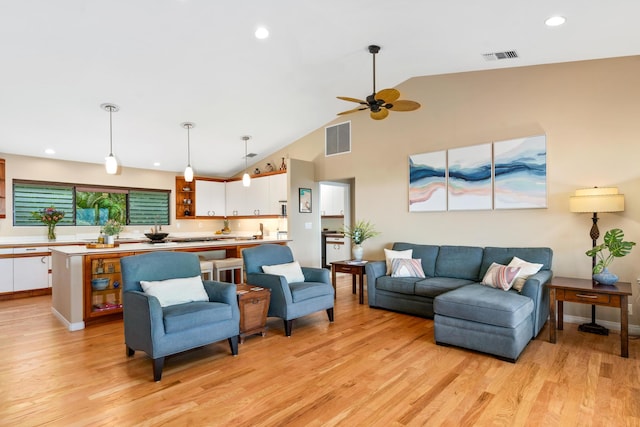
100,284
156,237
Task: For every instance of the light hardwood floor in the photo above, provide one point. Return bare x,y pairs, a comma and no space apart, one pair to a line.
370,367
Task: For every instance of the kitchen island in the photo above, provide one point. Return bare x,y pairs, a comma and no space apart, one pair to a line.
76,303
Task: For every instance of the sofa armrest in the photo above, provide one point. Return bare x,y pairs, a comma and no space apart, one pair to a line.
312,274
536,288
373,270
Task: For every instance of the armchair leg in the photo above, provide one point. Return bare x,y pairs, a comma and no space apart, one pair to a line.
130,351
158,364
330,314
233,343
288,325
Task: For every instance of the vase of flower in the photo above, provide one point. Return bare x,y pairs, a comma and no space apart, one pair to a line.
50,217
112,228
361,231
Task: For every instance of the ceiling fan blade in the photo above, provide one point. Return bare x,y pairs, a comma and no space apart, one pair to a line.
346,98
379,115
388,95
352,111
404,105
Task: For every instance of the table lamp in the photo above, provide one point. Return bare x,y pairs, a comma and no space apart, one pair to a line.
605,199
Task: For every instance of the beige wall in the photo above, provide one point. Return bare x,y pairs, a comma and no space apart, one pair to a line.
590,113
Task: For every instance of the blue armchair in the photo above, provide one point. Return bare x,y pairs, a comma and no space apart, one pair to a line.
161,331
289,300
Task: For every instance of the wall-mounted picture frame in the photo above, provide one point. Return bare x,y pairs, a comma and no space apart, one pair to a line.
304,195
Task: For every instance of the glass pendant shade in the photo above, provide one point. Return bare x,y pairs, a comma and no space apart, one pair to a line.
111,164
188,174
246,180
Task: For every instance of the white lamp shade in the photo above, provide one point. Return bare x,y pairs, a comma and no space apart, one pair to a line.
188,174
111,164
605,199
246,180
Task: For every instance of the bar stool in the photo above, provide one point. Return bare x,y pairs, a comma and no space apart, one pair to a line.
206,267
227,264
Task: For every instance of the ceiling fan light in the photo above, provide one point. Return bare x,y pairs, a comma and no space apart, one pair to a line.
188,174
246,180
111,164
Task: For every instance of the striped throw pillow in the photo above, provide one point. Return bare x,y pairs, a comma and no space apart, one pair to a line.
500,276
406,267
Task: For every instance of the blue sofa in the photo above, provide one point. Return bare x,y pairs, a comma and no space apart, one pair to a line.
466,313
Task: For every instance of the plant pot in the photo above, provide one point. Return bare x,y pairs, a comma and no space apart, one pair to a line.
357,252
605,277
51,232
110,240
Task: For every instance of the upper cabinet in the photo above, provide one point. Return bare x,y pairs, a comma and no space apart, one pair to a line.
332,200
211,198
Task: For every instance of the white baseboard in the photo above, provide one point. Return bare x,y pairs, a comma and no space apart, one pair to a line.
614,326
70,326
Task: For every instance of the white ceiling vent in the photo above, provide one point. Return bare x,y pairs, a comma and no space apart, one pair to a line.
337,139
508,54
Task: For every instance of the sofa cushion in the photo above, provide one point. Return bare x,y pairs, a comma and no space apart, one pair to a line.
401,285
407,268
182,317
500,276
301,291
526,270
483,304
434,286
390,255
504,256
176,291
427,253
461,262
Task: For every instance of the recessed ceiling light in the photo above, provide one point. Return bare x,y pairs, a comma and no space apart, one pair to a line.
555,21
50,151
156,164
262,33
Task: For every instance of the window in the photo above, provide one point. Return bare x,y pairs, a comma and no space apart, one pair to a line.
90,206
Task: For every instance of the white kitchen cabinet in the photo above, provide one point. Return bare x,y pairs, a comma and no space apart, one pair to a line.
210,198
278,193
337,249
332,200
235,198
6,271
257,200
32,271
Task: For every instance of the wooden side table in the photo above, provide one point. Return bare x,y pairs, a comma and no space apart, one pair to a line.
355,268
253,302
584,291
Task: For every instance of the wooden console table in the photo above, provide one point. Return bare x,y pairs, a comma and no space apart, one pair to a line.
584,291
355,268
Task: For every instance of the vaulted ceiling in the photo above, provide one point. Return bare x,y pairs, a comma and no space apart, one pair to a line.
164,62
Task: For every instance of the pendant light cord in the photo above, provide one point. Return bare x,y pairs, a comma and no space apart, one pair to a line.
188,145
110,130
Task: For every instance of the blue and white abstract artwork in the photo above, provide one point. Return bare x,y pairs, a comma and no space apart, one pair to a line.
520,173
470,178
428,182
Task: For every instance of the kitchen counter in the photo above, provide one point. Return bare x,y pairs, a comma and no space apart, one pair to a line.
71,271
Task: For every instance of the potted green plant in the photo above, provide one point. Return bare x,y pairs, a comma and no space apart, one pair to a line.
112,228
361,231
613,247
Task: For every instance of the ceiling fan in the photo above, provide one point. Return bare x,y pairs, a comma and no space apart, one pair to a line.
380,103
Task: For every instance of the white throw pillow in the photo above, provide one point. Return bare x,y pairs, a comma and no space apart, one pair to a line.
291,271
390,254
500,276
403,267
526,270
176,291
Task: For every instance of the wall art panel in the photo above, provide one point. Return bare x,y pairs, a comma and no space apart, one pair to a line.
469,184
520,173
428,182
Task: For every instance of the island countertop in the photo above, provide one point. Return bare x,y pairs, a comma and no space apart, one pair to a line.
147,246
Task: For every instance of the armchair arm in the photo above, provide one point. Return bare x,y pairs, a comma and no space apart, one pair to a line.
312,274
223,292
142,320
280,292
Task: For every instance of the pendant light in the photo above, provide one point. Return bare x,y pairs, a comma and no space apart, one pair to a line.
188,172
111,164
246,179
